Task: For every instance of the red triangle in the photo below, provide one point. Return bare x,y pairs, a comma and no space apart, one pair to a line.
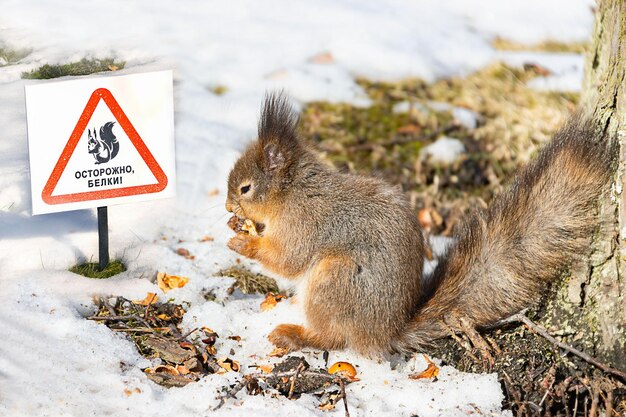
124,122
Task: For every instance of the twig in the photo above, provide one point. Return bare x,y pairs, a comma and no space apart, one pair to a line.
342,387
232,392
293,379
520,317
514,393
145,314
576,403
434,135
136,330
186,334
114,318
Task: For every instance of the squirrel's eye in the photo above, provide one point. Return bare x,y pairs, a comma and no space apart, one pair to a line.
244,189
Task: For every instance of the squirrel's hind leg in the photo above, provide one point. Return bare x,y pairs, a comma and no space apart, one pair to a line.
295,337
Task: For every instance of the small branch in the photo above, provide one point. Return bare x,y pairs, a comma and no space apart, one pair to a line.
342,387
186,334
293,379
113,318
232,392
145,314
521,318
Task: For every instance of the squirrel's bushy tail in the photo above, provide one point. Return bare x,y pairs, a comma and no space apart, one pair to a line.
503,256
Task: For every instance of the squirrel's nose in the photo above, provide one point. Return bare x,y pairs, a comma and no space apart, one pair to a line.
229,206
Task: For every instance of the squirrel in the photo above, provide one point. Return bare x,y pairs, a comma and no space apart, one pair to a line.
355,247
105,148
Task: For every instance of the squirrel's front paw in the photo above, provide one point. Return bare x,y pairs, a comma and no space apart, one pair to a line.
287,336
244,244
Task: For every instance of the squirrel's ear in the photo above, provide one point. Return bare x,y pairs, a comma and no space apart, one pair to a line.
274,158
278,132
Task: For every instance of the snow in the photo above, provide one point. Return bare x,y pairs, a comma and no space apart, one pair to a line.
55,363
444,150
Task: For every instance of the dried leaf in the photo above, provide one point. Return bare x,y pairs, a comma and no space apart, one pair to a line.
322,58
182,369
188,346
229,364
235,338
266,369
168,282
344,369
211,350
430,372
207,239
270,301
409,129
151,298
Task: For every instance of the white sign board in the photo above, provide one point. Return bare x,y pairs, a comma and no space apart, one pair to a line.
101,141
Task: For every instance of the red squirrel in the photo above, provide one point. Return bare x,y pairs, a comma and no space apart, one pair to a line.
355,246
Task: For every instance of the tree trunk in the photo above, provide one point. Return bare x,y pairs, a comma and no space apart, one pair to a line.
590,307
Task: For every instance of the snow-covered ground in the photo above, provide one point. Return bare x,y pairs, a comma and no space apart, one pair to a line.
55,363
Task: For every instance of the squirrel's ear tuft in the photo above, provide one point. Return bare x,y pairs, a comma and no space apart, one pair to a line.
278,132
279,120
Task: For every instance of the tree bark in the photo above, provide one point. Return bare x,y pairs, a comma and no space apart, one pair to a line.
591,304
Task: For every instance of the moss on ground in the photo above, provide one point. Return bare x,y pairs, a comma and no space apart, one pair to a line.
85,66
90,269
543,46
249,282
513,121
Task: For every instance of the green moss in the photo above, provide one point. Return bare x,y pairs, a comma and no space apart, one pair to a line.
249,282
90,269
9,56
83,67
513,122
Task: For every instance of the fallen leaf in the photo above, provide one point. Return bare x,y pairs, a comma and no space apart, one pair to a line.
211,350
235,338
188,346
266,369
182,369
168,369
229,364
279,352
409,129
128,392
207,239
537,69
322,58
183,252
168,282
430,372
344,369
151,298
270,301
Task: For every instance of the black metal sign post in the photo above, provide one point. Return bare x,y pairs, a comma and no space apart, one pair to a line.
103,238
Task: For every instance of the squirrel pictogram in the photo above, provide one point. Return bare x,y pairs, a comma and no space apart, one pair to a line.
106,147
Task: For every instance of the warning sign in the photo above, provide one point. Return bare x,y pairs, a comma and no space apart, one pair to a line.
116,146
